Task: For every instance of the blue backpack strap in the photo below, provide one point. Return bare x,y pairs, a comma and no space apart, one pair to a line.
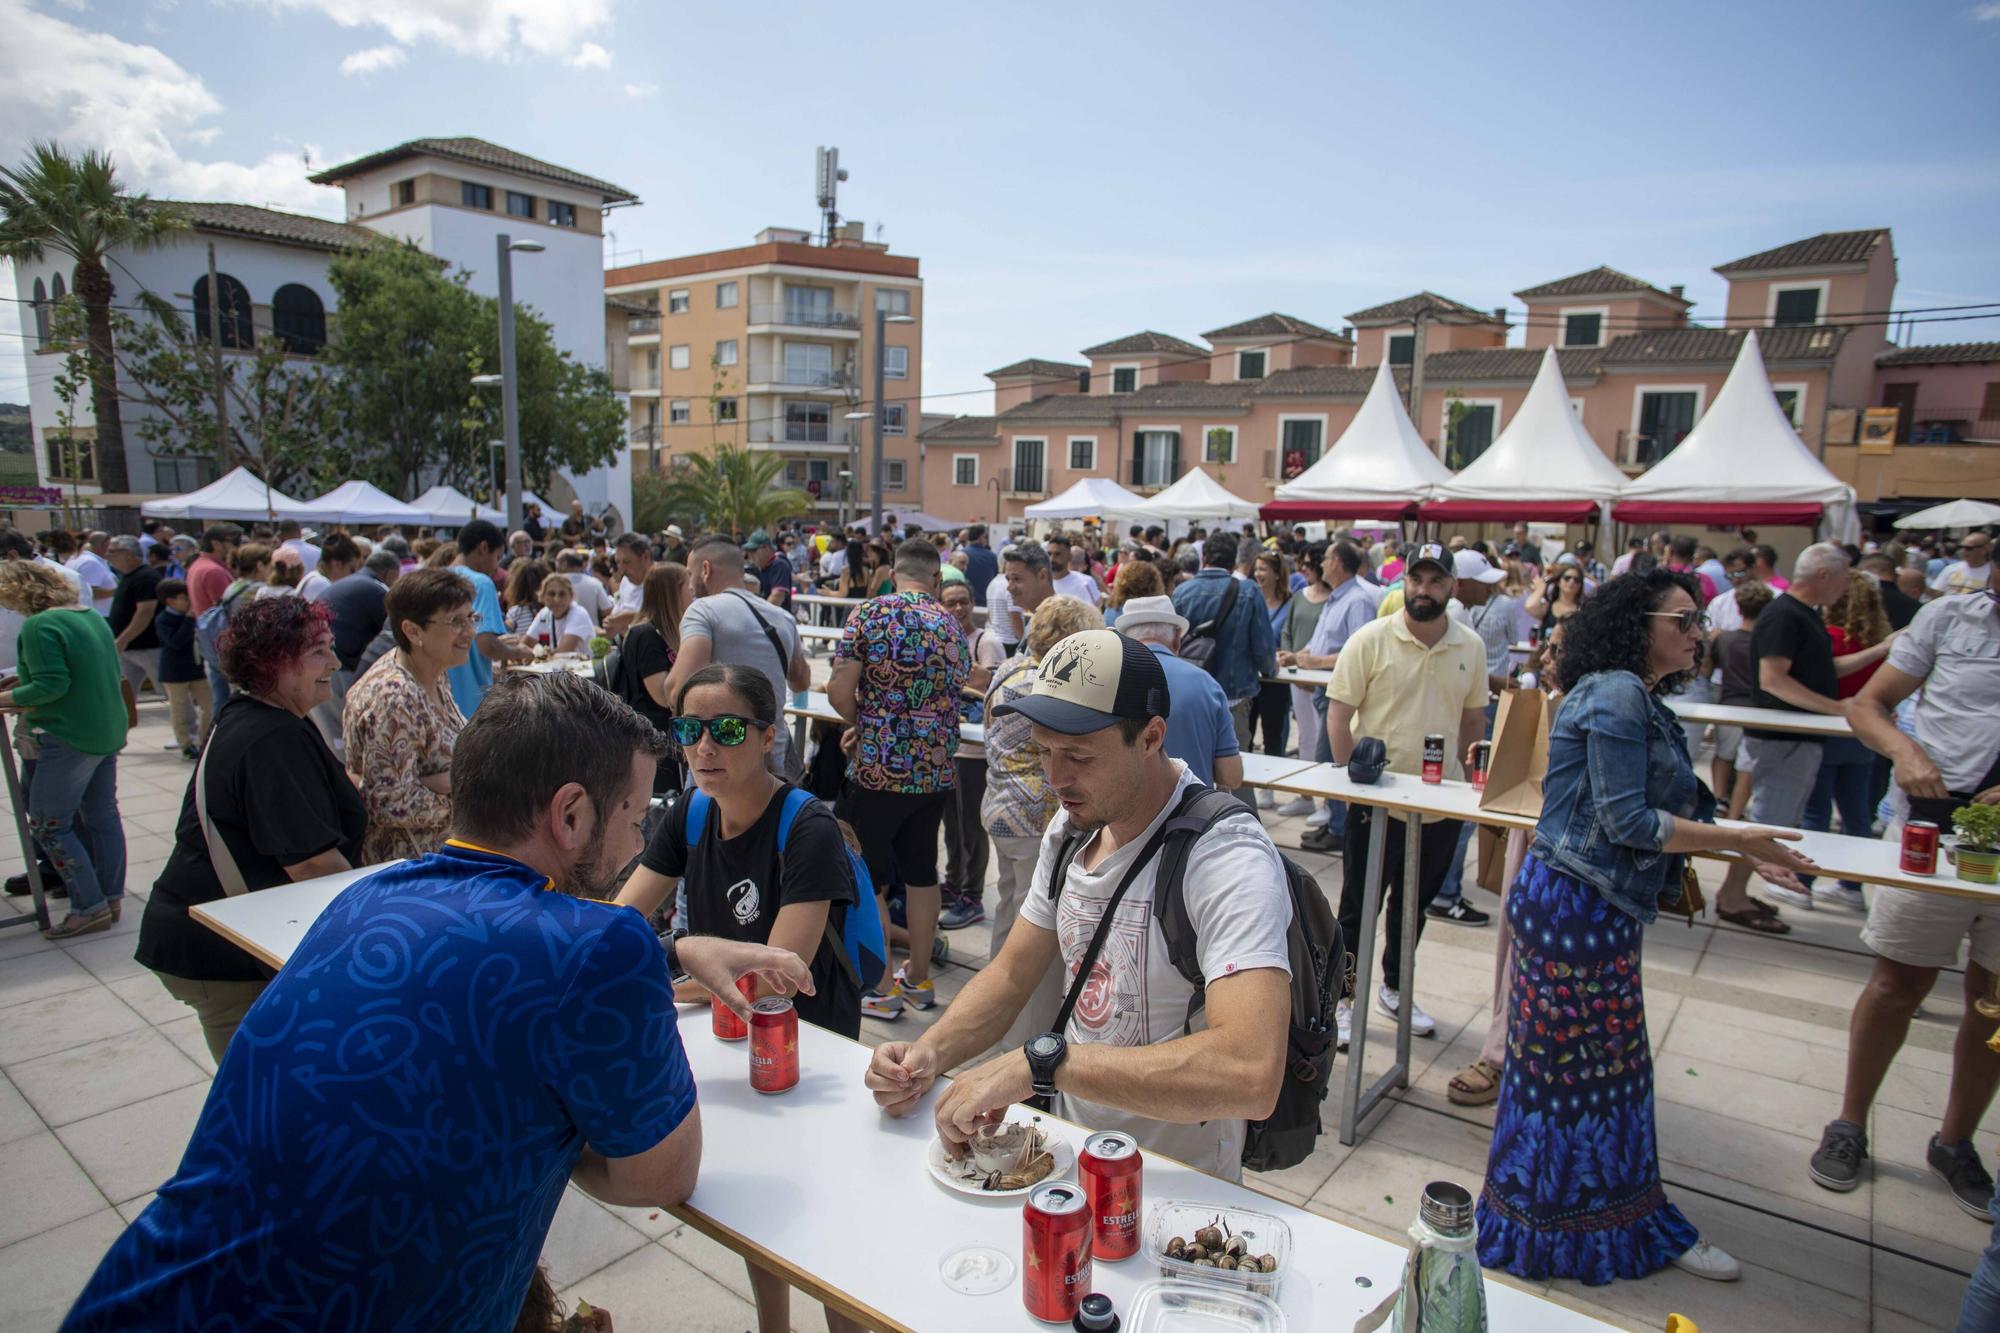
695,817
796,799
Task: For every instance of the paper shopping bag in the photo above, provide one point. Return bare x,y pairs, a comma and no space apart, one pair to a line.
1520,758
1492,845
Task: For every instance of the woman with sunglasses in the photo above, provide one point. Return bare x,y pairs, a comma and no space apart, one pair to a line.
1573,1175
1555,598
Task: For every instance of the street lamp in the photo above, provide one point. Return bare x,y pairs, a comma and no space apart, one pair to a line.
883,319
510,395
846,486
851,454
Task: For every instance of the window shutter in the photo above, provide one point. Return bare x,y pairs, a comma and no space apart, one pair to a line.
1989,409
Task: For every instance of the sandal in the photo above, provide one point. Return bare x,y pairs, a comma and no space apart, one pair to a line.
1764,923
1478,1084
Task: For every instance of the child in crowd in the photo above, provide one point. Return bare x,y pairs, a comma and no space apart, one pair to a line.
181,676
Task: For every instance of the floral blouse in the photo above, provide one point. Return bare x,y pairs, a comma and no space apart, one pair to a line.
1017,803
397,732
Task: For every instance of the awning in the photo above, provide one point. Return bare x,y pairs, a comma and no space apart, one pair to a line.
1507,511
1718,515
1331,509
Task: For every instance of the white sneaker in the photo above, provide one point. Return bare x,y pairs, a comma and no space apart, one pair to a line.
1829,891
1421,1023
1790,897
1709,1261
1343,1022
1299,805
1317,819
1265,800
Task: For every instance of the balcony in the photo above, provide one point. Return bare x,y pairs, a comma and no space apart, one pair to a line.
790,316
647,435
1024,484
641,326
771,376
1948,425
826,491
645,380
810,438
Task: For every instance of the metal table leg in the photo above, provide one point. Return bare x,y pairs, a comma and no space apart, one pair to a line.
1413,851
40,920
1352,1099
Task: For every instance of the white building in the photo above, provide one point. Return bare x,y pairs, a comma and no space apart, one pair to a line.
452,197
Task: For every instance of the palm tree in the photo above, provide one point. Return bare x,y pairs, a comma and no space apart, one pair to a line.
73,205
733,490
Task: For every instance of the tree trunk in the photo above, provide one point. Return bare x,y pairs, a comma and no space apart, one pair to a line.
93,284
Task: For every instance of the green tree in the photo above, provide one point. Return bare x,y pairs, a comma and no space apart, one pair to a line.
75,207
728,489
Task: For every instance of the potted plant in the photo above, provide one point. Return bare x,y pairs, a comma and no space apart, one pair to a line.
1978,852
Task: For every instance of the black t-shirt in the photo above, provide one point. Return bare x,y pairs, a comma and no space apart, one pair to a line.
1899,606
644,653
358,603
277,797
1790,629
141,585
736,886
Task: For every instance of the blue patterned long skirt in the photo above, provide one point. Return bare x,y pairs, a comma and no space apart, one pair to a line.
1573,1176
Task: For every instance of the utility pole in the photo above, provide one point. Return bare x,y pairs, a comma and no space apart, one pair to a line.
510,397
881,370
1417,374
215,343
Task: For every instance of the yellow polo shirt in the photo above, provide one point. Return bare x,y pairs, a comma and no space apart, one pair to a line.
1402,691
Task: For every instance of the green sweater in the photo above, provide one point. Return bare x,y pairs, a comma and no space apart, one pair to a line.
70,681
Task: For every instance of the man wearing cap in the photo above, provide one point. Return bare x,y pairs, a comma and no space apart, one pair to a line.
775,576
1200,732
673,545
1399,679
1099,707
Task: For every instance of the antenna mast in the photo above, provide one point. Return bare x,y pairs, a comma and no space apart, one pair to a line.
827,187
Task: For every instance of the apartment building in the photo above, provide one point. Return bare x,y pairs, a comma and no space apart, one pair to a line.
771,347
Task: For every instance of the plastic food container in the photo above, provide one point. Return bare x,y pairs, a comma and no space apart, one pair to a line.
1195,1307
1263,1233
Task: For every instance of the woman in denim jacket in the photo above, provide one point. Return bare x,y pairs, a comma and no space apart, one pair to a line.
1573,1176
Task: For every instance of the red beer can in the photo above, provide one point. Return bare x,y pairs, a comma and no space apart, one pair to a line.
774,1045
1920,847
722,1020
1110,1169
1055,1251
1434,758
1482,759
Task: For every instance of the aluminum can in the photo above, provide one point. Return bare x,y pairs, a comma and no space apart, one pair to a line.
1434,758
774,1045
1920,847
1534,636
1482,759
1055,1251
722,1020
1110,1168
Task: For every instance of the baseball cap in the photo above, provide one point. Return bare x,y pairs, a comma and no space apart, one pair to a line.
1150,611
757,539
1431,553
1094,680
1470,564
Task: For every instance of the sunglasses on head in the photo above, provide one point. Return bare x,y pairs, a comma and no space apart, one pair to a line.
728,729
1687,622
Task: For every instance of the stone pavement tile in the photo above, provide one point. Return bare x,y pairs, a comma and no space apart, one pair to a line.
654,1291
1741,1048
1908,1198
1765,1301
1446,1142
136,1148
1703,1013
45,1188
131,1208
1836,1259
657,1223
38,975
148,799
1891,1321
1846,961
1301,1182
1768,976
147,996
1926,1295
110,958
17,941
720,1263
1743,1095
45,1273
17,1118
83,1081
1381,1183
584,1238
186,1033
71,1019
1761,1164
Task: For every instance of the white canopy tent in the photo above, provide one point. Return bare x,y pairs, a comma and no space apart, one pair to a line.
1544,466
1195,498
354,502
1953,514
237,496
1093,497
1378,468
1742,463
447,507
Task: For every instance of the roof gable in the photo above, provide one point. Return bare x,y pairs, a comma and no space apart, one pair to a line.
477,152
961,428
1941,354
1426,303
268,224
1826,250
1147,343
1599,281
1035,367
1810,343
1273,325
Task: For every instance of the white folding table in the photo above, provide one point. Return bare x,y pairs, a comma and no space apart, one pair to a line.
1762,719
1311,678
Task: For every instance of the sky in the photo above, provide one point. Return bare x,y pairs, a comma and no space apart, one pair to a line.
1067,174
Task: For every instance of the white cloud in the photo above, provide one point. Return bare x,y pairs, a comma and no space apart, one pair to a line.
1986,13
590,55
490,29
641,89
374,58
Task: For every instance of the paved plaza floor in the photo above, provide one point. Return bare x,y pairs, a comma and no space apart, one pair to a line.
102,1075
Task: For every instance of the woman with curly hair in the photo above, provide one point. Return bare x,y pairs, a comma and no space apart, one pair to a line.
1859,628
1573,1175
268,804
1137,577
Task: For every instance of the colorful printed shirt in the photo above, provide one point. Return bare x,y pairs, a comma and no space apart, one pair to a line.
1018,803
398,733
914,661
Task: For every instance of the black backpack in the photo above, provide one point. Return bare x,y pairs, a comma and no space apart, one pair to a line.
1319,959
1198,645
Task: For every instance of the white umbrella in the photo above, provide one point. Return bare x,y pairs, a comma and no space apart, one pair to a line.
448,507
237,496
1953,514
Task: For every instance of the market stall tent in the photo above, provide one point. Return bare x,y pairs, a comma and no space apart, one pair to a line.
1378,468
1543,467
1195,498
354,502
1745,449
917,518
238,496
1953,514
1092,497
446,507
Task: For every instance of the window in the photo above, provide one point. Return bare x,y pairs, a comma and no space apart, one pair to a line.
725,409
892,300
894,473
1156,457
725,296
1125,379
72,456
677,412
677,302
520,205
298,319
1664,419
677,357
561,214
1218,444
1300,440
808,423
1083,380
1250,365
403,193
1583,329
808,305
1027,479
1402,348
475,196
725,352
174,476
965,469
808,363
896,362
42,313
1792,399
893,419
1795,306
56,293
811,475
1469,426
236,327
1989,403
1083,453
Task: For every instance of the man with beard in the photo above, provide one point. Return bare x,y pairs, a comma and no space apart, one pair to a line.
389,1138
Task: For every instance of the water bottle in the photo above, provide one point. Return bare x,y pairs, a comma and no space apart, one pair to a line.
1442,1290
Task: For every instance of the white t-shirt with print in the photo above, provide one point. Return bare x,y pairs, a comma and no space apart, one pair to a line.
1240,909
1958,577
1074,584
575,621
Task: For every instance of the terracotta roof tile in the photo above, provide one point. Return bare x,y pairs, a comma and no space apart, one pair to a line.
478,152
1038,368
1408,307
1941,354
962,428
1600,281
268,224
1827,248
1273,325
1146,343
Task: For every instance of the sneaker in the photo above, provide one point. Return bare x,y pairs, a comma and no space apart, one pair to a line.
1319,840
1459,911
1317,819
89,923
1790,897
1709,1261
1421,1023
1300,805
1960,1169
191,754
1265,800
916,994
874,1004
964,910
1843,1147
1343,1022
940,949
1846,895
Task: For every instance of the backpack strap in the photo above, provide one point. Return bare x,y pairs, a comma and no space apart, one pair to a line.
1205,808
796,800
777,644
694,818
219,855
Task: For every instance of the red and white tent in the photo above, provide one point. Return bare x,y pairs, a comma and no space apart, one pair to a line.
1544,466
1378,468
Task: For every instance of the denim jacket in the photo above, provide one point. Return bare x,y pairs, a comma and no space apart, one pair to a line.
1618,777
1245,648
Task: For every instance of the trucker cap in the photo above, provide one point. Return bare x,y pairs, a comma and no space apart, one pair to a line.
1094,680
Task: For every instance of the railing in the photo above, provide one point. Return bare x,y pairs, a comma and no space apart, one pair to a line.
807,317
639,325
828,490
1947,425
645,378
648,434
803,377
1024,481
783,432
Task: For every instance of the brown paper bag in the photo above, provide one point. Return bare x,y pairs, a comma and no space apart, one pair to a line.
1492,847
1520,758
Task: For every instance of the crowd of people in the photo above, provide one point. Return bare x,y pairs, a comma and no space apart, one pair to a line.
346,700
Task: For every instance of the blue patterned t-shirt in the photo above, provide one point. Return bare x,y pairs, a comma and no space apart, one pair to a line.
392,1126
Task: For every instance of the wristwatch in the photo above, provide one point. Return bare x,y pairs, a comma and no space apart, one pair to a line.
1045,1055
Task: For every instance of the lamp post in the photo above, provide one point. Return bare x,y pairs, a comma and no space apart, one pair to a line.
883,319
510,396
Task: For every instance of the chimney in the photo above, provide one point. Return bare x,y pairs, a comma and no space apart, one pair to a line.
1500,313
1676,291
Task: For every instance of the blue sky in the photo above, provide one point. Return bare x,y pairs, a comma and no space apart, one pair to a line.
1071,173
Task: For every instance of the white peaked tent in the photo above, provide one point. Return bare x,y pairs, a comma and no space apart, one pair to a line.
238,496
1544,466
354,502
1093,497
1195,498
1378,468
1742,463
449,508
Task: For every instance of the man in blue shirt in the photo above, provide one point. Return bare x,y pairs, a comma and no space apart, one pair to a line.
1245,647
1200,732
981,565
479,548
454,1040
